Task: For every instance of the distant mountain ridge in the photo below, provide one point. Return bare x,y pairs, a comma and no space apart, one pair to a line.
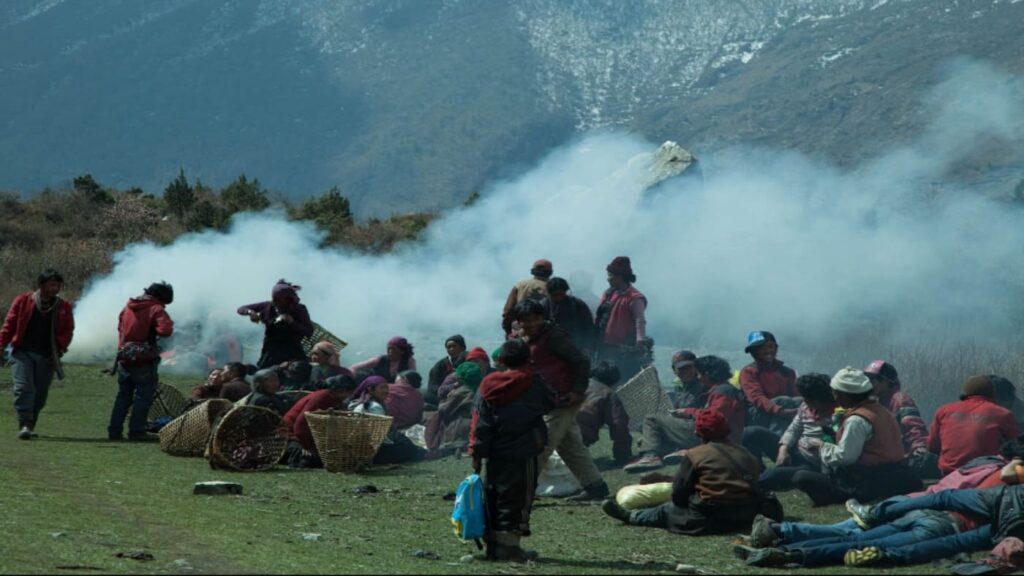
416,104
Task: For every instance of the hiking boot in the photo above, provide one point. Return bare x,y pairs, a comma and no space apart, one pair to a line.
861,513
865,557
612,508
144,437
762,535
743,551
25,433
643,464
771,558
673,459
590,493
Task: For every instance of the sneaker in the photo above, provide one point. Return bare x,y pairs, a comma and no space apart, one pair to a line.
643,464
865,557
144,437
861,513
612,508
673,459
771,558
762,535
24,433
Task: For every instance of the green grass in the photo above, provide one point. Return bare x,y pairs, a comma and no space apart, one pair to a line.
104,498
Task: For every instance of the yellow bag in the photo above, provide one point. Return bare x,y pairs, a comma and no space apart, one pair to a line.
644,495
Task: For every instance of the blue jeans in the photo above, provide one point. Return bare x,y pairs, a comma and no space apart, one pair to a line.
916,527
794,532
971,541
981,504
653,517
136,390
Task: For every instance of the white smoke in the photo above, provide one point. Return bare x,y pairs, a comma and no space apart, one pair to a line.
773,240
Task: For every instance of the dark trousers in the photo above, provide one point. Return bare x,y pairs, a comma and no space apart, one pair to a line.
509,487
400,451
865,483
664,434
761,442
697,519
33,374
136,390
606,410
781,477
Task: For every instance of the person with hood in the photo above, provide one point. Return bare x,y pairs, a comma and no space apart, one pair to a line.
404,402
886,381
603,408
142,321
975,426
398,359
566,371
447,431
533,288
38,330
301,451
265,385
866,461
286,321
455,346
508,432
714,492
772,398
621,321
570,314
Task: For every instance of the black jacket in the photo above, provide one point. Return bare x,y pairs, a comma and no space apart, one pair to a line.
508,419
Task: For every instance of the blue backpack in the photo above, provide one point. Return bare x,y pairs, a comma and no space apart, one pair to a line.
468,517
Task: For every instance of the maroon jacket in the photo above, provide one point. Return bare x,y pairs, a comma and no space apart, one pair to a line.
762,382
559,362
142,320
965,430
295,420
19,315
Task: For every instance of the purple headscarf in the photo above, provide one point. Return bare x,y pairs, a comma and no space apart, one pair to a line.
402,344
362,393
285,289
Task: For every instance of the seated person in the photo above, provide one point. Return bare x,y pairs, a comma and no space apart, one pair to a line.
602,408
325,361
301,451
370,398
886,381
975,426
399,358
800,444
265,385
715,490
770,389
448,429
298,375
665,435
235,387
867,460
210,388
405,403
455,347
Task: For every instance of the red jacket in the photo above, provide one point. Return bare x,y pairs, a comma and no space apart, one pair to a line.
21,312
621,327
142,320
729,402
295,421
762,382
965,430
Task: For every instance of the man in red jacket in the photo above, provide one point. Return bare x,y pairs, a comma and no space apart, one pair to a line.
141,322
772,397
38,330
975,426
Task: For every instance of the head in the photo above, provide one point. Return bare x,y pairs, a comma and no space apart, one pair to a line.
762,346
285,295
710,425
216,376
469,375
49,283
712,370
542,269
162,292
558,289
479,357
1013,449
884,377
620,272
379,392
980,385
514,353
455,346
530,315
1004,390
816,390
234,371
324,353
605,373
410,378
399,349
266,381
850,387
368,389
341,386
684,366
296,373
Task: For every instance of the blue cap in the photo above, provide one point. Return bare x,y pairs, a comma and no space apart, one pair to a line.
758,337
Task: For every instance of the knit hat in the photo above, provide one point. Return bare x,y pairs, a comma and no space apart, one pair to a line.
469,375
683,358
458,339
496,354
757,338
980,385
851,381
711,425
478,353
621,266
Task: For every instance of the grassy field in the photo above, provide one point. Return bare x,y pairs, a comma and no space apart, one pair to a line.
70,501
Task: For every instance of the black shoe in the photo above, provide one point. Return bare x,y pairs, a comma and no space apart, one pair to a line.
118,438
612,508
143,438
590,493
24,433
514,554
771,558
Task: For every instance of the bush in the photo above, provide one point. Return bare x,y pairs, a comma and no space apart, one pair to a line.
243,195
179,196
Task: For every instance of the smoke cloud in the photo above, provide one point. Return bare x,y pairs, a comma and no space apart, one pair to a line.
767,240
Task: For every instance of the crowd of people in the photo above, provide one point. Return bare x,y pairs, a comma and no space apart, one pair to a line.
851,437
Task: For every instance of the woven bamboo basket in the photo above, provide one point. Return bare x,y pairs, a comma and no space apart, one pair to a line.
643,396
188,434
346,441
321,333
247,439
168,401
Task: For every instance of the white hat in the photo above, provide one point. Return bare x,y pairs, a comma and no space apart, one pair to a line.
851,381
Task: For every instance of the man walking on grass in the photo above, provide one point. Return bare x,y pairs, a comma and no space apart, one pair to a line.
37,332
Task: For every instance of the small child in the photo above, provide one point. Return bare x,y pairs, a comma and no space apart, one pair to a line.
508,431
812,425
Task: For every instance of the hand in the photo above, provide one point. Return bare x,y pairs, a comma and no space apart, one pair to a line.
254,316
783,458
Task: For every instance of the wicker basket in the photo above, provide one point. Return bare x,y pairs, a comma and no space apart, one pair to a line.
346,441
643,396
247,438
188,434
168,401
321,333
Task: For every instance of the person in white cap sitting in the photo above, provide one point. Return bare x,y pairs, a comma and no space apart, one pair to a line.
867,460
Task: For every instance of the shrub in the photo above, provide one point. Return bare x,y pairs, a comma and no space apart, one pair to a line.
243,195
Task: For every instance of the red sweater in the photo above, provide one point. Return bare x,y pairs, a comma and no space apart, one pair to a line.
965,430
19,315
762,382
295,421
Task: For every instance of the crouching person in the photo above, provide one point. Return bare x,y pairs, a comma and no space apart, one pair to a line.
715,490
508,431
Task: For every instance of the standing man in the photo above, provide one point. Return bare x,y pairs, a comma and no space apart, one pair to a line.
141,322
287,323
533,288
38,331
570,314
621,320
